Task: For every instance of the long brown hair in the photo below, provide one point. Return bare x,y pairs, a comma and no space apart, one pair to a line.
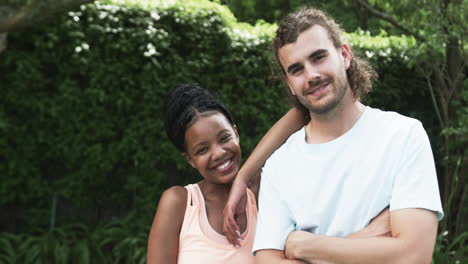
360,73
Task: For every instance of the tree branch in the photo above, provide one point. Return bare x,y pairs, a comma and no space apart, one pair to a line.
434,100
30,12
389,19
3,41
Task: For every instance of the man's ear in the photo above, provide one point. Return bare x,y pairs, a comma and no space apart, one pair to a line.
347,56
285,77
189,160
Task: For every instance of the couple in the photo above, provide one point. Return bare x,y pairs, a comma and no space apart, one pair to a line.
319,190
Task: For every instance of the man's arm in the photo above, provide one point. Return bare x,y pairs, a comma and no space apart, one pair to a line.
273,256
379,226
413,238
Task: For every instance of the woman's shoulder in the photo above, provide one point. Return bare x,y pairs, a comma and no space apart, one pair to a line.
174,200
175,195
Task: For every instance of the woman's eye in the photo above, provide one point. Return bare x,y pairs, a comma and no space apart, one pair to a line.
201,151
225,138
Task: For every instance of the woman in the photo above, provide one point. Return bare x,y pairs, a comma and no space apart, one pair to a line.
188,226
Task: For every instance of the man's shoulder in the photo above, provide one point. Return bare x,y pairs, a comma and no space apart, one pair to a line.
390,120
287,150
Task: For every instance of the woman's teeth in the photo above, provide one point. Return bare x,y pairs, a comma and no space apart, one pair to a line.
224,165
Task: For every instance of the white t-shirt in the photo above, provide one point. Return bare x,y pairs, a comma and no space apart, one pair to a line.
336,188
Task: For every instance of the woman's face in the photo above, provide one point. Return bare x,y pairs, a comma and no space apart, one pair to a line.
212,147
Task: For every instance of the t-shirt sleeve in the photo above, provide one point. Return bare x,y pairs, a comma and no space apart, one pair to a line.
273,221
415,182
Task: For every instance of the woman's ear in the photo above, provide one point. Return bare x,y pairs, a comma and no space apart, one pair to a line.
189,159
235,131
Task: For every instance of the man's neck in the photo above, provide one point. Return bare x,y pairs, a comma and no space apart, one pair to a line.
325,128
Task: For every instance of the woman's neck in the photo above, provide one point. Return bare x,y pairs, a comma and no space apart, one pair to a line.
212,191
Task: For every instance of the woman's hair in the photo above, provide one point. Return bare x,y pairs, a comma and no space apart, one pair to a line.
183,106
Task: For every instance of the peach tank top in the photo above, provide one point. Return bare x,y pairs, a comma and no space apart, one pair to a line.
200,243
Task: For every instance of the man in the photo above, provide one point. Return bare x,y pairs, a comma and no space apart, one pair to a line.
346,165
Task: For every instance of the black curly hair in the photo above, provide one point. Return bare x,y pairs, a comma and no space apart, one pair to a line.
183,106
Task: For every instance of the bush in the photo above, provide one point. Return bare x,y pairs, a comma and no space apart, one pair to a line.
82,99
455,251
110,243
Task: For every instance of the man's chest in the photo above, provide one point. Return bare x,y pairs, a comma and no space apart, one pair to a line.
339,193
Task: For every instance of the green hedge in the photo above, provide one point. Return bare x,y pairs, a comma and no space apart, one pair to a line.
126,243
81,102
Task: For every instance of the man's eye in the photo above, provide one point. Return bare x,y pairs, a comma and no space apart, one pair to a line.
296,70
318,58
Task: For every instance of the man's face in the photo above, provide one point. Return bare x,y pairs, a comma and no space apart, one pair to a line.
316,70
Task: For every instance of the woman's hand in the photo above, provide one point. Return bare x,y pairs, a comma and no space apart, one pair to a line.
235,205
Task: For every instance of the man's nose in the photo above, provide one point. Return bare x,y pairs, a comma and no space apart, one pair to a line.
311,72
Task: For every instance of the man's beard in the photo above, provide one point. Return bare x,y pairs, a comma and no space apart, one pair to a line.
338,85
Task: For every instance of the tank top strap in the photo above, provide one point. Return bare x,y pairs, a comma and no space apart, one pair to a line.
251,199
193,196
251,209
189,196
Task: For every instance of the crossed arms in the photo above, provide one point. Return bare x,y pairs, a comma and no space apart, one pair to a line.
413,230
413,234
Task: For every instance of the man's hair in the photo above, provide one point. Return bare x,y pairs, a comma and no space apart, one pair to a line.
183,106
360,73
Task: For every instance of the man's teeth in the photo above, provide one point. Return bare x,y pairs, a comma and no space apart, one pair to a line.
224,165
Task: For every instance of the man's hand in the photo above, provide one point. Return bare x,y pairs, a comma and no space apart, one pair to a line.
378,227
235,205
412,241
273,256
293,241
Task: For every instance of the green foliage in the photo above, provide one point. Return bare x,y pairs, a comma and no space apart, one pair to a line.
82,97
272,11
110,243
454,251
441,57
118,243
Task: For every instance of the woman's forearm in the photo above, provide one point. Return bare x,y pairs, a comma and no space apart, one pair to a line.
291,122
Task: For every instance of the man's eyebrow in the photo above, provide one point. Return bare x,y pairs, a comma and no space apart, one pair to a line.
293,67
312,55
318,52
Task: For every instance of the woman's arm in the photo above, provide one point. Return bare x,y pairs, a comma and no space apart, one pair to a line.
163,241
291,122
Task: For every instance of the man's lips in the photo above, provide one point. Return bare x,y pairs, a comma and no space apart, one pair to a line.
317,88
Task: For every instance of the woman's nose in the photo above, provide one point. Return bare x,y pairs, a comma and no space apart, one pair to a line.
218,152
